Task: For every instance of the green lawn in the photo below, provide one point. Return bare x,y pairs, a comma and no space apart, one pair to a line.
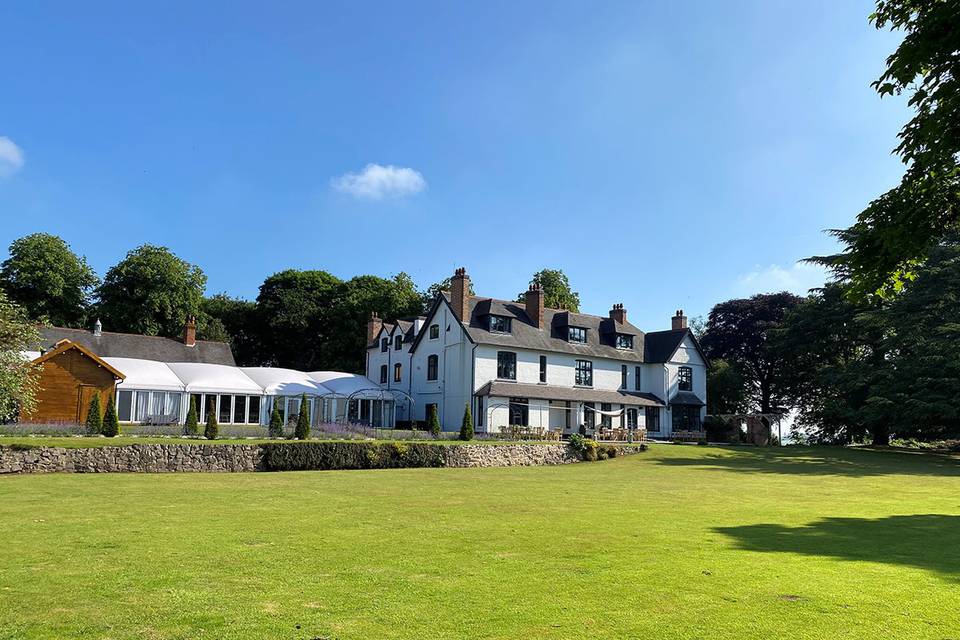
676,542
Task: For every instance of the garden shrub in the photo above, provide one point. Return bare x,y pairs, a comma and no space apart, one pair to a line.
211,428
590,451
111,423
310,456
302,432
192,426
601,453
433,421
466,427
276,423
612,451
94,417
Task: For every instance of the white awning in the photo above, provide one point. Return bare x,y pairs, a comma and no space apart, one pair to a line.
214,378
285,382
145,374
349,384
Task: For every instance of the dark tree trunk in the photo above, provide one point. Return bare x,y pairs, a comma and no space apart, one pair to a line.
881,436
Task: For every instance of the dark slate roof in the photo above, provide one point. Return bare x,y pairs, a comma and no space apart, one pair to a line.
575,394
686,398
406,325
131,345
661,345
600,331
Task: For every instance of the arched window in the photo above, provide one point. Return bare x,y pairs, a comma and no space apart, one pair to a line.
397,342
431,367
396,372
384,344
383,373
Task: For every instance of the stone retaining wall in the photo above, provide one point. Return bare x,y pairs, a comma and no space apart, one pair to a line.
163,458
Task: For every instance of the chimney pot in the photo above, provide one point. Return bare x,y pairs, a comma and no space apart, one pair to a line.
190,332
533,302
618,313
679,321
460,294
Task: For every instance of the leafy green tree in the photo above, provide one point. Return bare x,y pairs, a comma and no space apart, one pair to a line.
392,298
892,236
557,293
48,280
211,429
111,422
466,427
94,415
726,389
836,364
294,309
302,431
151,292
433,421
738,331
921,391
18,377
436,289
237,322
276,422
192,425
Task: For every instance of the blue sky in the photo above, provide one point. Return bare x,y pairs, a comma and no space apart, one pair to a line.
663,154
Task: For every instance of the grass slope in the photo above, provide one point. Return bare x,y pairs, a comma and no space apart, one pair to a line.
678,542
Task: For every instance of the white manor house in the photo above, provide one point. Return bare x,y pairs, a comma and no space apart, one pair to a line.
521,364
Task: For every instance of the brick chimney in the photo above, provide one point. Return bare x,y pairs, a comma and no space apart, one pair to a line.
190,332
618,314
534,303
373,326
460,294
679,320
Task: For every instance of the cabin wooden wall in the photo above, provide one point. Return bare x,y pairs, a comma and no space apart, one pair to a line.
67,383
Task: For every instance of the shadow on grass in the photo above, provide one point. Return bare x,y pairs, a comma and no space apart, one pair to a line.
928,541
838,461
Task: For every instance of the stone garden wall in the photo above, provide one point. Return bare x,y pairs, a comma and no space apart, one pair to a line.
164,458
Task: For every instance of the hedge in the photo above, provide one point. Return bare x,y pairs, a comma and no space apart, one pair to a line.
320,456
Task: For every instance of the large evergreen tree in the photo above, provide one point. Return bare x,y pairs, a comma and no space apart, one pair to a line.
51,283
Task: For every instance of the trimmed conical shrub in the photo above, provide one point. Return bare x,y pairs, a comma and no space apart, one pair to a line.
111,423
94,416
192,426
303,420
211,428
433,421
276,422
466,427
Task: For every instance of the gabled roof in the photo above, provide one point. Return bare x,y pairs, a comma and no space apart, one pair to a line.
67,345
131,345
405,325
661,345
601,331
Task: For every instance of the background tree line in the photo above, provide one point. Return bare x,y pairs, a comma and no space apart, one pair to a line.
301,319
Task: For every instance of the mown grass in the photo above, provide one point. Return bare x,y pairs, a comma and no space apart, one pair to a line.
676,542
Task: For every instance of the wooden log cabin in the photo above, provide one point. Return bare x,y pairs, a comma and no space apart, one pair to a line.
70,376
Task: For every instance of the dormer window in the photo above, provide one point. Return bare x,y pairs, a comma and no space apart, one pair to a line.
499,324
577,334
398,342
384,344
624,341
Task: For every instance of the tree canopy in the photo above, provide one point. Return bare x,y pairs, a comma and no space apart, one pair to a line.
18,377
557,293
895,233
738,332
51,283
152,292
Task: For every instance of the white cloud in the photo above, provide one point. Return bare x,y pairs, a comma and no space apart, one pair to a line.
11,157
377,182
797,278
